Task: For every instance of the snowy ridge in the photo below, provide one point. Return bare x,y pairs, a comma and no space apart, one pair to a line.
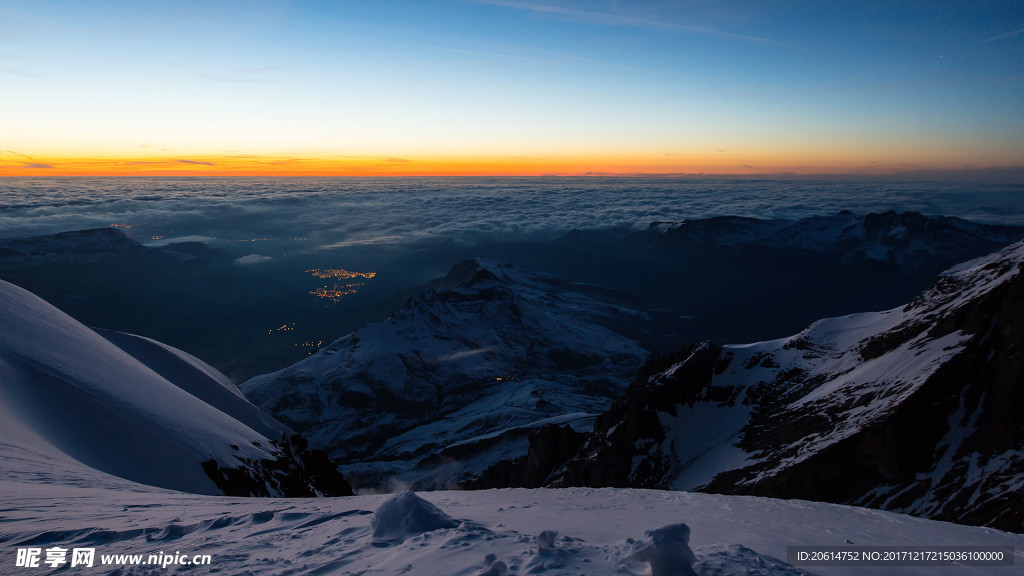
905,239
144,412
491,348
891,409
79,246
197,378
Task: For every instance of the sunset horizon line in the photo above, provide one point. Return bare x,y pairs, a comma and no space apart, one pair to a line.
254,166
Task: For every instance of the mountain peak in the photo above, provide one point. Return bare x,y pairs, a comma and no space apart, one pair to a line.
467,367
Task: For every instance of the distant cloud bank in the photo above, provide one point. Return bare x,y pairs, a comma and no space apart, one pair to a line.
319,213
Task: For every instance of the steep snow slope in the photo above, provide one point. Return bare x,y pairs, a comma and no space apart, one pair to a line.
916,409
146,412
457,378
198,379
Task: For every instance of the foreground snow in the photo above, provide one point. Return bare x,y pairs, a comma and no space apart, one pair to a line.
51,503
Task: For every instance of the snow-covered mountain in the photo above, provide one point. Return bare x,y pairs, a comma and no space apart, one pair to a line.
140,410
917,409
456,379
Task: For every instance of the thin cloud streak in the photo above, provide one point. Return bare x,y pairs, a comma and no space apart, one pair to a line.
21,162
1002,36
549,57
390,239
607,18
18,154
257,75
15,72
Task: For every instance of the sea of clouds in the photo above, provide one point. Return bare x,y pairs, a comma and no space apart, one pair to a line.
327,213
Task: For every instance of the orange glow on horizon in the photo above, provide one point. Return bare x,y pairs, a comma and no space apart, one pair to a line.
367,166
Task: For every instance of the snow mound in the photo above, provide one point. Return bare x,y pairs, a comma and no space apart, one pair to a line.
667,550
406,515
494,567
546,541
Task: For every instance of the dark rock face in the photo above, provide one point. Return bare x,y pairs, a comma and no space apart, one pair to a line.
297,472
550,447
918,410
631,426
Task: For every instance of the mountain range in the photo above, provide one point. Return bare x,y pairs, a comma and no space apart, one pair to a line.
498,376
917,409
740,279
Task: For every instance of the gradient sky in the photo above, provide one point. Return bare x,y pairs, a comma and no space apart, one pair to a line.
518,87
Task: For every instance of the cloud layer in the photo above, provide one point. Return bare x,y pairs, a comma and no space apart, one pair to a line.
346,213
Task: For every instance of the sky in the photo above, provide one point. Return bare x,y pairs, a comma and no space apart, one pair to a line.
528,87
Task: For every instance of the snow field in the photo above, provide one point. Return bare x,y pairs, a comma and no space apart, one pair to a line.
494,532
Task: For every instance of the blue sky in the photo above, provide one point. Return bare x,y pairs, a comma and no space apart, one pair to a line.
647,86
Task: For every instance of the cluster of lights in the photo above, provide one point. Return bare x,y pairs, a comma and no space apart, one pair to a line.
339,273
283,328
338,290
310,344
290,327
334,293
